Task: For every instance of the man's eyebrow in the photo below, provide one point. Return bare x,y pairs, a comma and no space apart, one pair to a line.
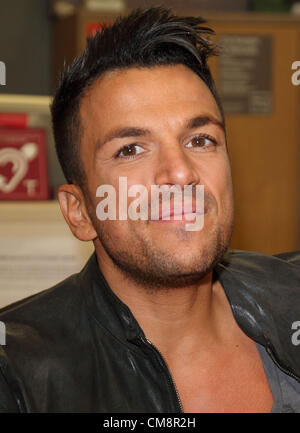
123,132
199,121
132,131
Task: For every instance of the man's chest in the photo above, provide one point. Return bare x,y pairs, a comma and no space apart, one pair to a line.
229,386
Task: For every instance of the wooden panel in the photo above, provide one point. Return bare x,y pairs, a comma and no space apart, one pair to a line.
64,47
264,151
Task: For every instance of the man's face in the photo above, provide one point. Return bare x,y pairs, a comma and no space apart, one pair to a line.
157,126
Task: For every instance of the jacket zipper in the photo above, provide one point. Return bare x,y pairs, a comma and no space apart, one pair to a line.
171,380
289,373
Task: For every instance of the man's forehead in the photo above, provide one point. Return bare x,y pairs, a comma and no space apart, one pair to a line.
173,81
134,96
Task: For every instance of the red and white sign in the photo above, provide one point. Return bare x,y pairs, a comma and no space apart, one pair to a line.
23,164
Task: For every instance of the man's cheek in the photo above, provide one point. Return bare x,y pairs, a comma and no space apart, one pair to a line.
118,231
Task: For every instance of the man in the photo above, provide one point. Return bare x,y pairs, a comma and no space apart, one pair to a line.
161,319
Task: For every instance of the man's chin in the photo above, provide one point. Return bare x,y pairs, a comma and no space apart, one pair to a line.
163,272
159,262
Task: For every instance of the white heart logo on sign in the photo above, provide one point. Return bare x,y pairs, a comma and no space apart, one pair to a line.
19,159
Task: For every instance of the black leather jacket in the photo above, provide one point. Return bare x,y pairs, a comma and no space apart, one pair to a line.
77,348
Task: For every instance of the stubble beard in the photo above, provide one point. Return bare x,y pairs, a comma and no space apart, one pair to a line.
152,268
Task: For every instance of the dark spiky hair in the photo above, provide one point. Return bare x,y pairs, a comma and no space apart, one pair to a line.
144,38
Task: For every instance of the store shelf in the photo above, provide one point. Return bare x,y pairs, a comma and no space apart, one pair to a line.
37,249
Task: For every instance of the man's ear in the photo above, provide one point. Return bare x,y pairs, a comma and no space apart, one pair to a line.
74,210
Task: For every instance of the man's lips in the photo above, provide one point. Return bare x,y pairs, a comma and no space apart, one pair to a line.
177,212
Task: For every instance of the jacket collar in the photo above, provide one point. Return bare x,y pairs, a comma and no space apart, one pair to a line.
264,294
108,310
263,291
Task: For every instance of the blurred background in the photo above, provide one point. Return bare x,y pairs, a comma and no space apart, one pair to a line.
256,75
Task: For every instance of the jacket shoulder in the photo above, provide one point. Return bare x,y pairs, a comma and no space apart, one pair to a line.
44,303
291,257
41,320
249,257
36,329
281,270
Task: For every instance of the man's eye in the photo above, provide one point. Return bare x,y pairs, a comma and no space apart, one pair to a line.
130,150
202,141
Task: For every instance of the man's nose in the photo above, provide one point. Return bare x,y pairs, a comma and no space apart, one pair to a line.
175,167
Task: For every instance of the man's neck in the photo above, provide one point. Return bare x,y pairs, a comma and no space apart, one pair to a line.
192,315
